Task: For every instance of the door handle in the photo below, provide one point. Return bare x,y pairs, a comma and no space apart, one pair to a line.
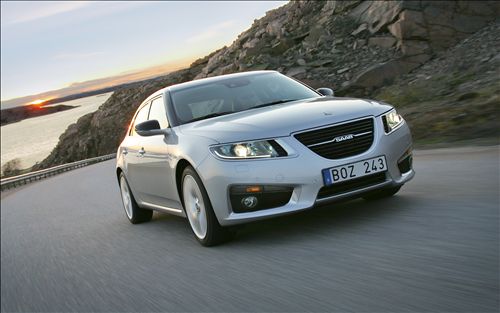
124,151
142,151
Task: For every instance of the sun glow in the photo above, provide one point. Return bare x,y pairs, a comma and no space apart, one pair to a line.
38,102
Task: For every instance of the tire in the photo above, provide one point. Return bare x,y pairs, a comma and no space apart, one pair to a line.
134,213
199,211
381,193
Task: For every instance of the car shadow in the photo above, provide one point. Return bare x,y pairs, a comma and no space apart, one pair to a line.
324,220
302,226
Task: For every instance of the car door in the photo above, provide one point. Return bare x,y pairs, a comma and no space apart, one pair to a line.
157,179
132,152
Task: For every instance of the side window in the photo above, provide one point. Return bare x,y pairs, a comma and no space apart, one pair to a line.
141,116
158,112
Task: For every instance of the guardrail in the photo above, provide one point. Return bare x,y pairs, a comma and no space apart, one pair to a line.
13,182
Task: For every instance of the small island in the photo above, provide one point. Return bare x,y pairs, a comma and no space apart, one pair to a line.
17,114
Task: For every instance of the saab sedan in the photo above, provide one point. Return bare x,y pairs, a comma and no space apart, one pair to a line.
238,148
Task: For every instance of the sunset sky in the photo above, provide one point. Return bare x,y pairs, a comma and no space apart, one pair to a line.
51,45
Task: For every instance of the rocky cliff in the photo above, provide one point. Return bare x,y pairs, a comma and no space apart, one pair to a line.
373,48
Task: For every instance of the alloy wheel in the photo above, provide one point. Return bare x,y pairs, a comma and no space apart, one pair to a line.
126,197
195,206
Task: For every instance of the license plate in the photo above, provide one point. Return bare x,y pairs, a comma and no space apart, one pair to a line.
354,170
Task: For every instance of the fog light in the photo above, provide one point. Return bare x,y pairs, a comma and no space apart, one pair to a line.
251,198
405,163
249,202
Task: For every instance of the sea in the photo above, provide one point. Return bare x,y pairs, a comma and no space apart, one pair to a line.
31,140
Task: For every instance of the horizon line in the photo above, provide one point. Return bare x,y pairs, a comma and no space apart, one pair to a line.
104,82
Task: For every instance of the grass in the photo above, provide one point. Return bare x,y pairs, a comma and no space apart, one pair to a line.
447,108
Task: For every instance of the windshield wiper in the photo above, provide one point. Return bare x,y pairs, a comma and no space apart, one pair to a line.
273,103
229,112
210,116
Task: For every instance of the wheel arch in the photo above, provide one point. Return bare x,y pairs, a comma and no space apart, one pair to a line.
118,172
179,169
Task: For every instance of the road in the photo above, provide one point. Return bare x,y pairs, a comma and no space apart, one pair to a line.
67,246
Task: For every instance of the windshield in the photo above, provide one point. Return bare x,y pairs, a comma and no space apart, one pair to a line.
236,94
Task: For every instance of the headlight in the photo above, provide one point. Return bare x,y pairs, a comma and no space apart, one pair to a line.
249,150
391,120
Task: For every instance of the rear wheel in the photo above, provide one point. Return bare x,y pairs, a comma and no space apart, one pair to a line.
382,193
199,211
134,213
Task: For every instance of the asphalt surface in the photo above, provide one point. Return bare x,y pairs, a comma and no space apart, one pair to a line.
67,246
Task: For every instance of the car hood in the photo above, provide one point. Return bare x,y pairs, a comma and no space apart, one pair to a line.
283,119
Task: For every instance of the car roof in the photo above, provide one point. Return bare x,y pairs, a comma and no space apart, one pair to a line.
203,81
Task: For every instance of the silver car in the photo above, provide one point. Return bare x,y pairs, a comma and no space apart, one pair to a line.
237,148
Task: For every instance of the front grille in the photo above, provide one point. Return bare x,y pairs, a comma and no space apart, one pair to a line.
339,141
351,185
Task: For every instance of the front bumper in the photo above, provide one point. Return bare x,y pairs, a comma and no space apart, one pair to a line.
302,171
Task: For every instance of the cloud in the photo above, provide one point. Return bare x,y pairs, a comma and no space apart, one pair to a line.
19,12
77,55
16,12
211,32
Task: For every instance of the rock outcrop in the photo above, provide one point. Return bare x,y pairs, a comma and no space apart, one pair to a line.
420,29
456,95
353,47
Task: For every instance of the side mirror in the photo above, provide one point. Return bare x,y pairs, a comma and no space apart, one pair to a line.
325,91
150,128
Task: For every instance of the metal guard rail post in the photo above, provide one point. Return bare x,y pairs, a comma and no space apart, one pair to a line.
15,181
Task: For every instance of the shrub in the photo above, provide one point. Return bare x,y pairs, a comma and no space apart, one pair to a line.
11,168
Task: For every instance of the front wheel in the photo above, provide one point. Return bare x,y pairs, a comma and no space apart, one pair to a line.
382,193
200,214
134,213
